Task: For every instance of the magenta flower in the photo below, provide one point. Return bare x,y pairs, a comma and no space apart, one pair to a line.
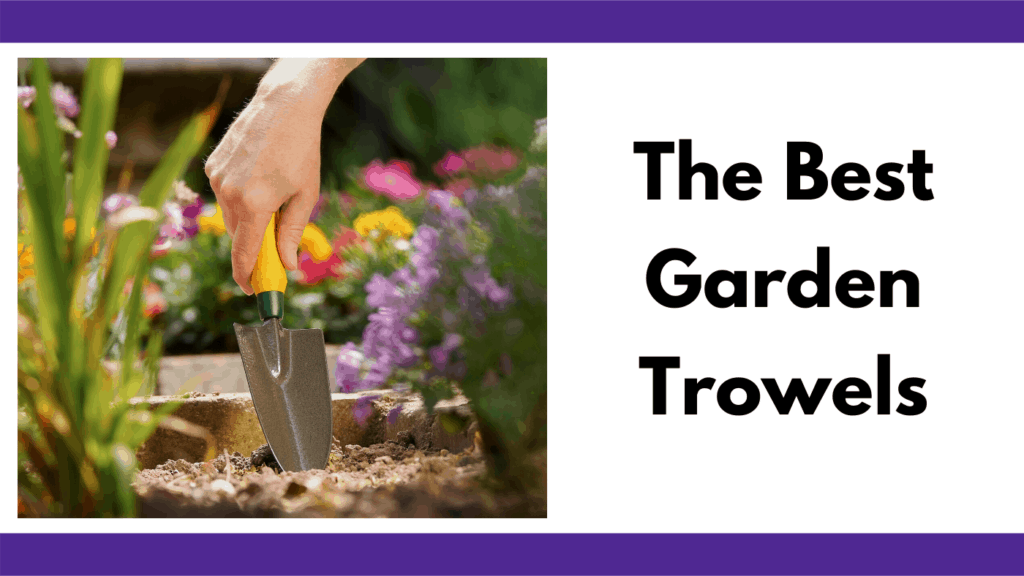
190,214
312,271
394,180
490,162
64,101
450,165
111,138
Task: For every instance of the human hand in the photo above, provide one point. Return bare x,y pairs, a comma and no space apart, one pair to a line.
269,160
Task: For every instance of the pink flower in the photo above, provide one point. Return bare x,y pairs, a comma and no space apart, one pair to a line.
458,187
64,101
488,161
450,165
115,202
394,180
26,94
154,301
345,238
111,138
313,272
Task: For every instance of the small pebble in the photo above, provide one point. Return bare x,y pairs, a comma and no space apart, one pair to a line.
222,486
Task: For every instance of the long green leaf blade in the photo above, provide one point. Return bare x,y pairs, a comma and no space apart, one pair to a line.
50,277
51,144
101,88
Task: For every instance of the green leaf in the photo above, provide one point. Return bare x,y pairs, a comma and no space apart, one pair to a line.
51,142
47,242
102,86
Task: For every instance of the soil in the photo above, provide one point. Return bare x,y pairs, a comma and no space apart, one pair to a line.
382,480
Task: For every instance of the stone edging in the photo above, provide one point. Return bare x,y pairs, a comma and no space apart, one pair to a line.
234,427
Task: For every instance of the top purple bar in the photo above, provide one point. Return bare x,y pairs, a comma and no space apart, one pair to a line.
503,21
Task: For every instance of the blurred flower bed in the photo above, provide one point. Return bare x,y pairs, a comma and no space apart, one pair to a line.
366,229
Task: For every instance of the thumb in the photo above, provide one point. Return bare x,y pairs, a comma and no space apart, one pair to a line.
294,217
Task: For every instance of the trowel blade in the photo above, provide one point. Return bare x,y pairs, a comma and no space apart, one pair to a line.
288,380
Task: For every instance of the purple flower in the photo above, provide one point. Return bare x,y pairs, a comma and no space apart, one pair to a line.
380,291
111,138
321,202
64,101
115,202
447,205
363,409
174,223
26,94
426,239
393,414
191,214
350,360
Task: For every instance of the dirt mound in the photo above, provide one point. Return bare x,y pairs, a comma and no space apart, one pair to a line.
382,480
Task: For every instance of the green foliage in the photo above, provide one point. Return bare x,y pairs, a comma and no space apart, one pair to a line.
77,433
419,109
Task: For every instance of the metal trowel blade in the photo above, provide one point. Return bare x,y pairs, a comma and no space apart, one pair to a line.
287,375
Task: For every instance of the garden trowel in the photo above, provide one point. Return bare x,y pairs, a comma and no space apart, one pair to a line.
286,371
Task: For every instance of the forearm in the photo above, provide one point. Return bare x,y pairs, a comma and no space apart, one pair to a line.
307,82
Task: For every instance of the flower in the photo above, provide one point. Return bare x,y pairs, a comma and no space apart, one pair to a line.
183,194
312,271
451,164
394,180
321,203
389,221
364,409
345,238
111,138
191,213
25,261
26,94
115,202
490,162
213,223
393,414
153,300
64,100
459,187
449,207
315,243
174,222
346,374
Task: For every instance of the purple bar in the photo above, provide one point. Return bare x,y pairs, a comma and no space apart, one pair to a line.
456,554
504,21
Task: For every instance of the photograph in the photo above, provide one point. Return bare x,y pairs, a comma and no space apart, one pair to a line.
282,287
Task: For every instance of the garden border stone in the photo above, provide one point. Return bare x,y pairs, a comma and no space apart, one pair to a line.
234,427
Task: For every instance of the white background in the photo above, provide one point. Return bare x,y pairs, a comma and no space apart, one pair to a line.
615,467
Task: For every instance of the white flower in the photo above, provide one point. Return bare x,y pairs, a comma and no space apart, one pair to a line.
131,214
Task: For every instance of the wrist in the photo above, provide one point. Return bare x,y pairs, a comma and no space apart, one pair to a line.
306,83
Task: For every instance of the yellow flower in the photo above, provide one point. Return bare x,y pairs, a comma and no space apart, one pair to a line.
69,234
389,222
25,261
315,242
214,224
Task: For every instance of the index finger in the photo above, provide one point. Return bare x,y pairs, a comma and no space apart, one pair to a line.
246,247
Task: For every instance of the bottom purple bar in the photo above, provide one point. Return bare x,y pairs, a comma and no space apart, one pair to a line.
511,554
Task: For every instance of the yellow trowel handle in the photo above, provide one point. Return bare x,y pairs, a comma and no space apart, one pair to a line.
268,277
